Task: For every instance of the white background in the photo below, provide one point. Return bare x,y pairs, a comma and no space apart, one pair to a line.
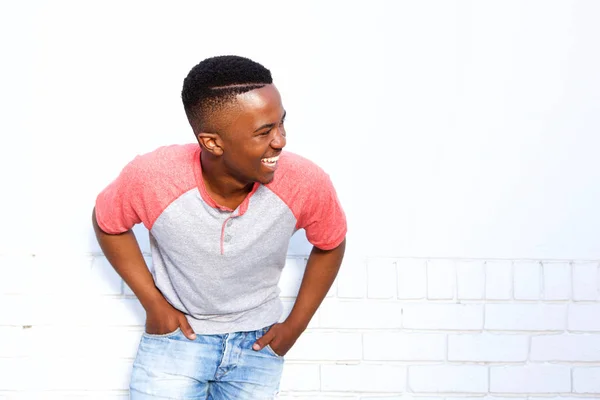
466,129
451,129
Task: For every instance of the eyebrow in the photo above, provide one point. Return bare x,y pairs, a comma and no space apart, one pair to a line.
270,126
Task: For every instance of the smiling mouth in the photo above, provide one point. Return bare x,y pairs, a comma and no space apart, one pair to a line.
271,162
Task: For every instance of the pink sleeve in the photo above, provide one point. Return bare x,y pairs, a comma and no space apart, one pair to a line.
145,187
309,193
322,216
119,207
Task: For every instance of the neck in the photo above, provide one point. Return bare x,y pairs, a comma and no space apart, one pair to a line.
220,183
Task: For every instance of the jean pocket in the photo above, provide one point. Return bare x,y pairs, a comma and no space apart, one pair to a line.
270,350
162,335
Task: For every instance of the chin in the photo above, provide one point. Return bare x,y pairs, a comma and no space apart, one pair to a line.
265,180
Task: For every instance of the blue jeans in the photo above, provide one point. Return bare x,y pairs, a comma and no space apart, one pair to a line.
211,367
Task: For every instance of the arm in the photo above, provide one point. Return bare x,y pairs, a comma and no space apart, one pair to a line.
321,270
124,254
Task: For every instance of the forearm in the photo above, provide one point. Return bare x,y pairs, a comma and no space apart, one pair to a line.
321,269
124,254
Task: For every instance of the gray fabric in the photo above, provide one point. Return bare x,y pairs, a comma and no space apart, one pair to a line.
230,292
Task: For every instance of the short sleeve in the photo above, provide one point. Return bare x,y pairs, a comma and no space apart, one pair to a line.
322,216
146,186
119,206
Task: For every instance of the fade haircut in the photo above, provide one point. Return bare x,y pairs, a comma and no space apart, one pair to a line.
214,83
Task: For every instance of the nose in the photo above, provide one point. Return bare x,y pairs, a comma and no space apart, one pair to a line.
279,140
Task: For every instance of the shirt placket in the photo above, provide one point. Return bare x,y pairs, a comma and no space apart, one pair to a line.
225,235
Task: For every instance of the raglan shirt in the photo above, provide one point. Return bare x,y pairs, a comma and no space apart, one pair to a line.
221,267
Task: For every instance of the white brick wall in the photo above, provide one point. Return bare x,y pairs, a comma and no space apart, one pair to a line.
389,329
532,378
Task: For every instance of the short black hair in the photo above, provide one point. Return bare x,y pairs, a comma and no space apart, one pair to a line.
215,81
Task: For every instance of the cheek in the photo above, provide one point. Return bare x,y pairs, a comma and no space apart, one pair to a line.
253,155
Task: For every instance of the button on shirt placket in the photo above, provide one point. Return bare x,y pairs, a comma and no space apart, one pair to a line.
225,236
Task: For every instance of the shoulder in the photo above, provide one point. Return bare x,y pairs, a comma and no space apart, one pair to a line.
164,159
300,170
299,181
165,169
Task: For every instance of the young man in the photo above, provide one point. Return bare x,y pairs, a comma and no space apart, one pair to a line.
220,215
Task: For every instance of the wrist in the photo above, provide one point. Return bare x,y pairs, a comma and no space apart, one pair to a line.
153,301
296,324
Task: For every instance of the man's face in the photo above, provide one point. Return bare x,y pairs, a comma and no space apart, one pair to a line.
254,135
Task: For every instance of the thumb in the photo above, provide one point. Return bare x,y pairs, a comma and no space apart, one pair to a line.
263,340
186,328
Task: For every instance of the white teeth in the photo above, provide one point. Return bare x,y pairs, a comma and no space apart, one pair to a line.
270,160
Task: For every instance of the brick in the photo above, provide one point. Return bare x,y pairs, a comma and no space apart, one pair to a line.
586,380
470,280
360,314
392,346
95,342
91,275
143,238
487,347
16,274
527,280
557,278
525,317
584,317
398,397
98,310
441,279
291,277
490,398
318,396
14,342
575,347
412,279
352,279
16,310
572,398
381,278
530,379
117,312
79,373
299,244
401,397
448,379
363,378
498,280
302,377
585,281
287,309
103,278
443,316
100,395
15,373
56,274
330,346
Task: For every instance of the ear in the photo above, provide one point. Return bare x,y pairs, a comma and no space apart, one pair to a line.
211,142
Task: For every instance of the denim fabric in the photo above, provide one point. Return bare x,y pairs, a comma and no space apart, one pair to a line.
211,367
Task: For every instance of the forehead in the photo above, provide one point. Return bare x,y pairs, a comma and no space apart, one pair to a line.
260,106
